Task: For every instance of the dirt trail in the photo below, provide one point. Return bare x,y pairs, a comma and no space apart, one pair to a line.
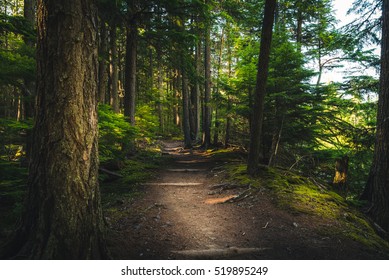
178,217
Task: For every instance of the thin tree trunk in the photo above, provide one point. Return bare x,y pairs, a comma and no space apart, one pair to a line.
103,65
197,97
185,110
160,92
217,127
260,89
130,81
229,100
276,140
177,97
217,90
114,71
207,90
63,215
28,90
29,85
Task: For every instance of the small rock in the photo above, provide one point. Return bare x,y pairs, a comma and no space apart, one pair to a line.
295,225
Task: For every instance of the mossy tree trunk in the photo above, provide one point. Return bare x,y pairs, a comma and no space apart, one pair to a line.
63,216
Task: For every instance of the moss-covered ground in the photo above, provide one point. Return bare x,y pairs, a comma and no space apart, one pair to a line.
304,196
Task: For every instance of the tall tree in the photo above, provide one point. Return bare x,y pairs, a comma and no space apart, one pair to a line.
114,70
260,89
131,63
185,109
103,62
63,217
28,88
377,189
207,87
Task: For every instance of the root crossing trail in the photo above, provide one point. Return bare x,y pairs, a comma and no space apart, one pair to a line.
180,216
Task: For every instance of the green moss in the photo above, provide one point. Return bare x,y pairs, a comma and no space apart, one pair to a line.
299,195
229,154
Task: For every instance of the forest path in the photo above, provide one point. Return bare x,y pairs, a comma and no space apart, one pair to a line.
179,216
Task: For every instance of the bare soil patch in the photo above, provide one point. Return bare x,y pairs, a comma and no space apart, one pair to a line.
181,216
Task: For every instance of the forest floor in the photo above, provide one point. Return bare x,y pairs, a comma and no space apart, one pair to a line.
184,214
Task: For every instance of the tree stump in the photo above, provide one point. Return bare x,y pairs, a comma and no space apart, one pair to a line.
340,179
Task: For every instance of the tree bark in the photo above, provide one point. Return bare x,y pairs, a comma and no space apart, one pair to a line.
103,65
63,215
277,133
130,76
28,90
115,71
207,90
377,188
160,91
185,109
197,94
260,89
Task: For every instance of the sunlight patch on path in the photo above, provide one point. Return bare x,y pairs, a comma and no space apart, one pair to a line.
219,199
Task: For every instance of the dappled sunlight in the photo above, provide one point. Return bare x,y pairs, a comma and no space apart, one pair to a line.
219,199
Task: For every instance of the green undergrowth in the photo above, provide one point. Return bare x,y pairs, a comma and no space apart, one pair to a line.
119,193
12,191
134,171
300,195
236,154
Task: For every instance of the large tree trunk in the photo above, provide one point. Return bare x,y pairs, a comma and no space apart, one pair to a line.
63,216
260,89
377,188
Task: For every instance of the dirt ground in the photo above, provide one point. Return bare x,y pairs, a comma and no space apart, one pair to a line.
181,216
